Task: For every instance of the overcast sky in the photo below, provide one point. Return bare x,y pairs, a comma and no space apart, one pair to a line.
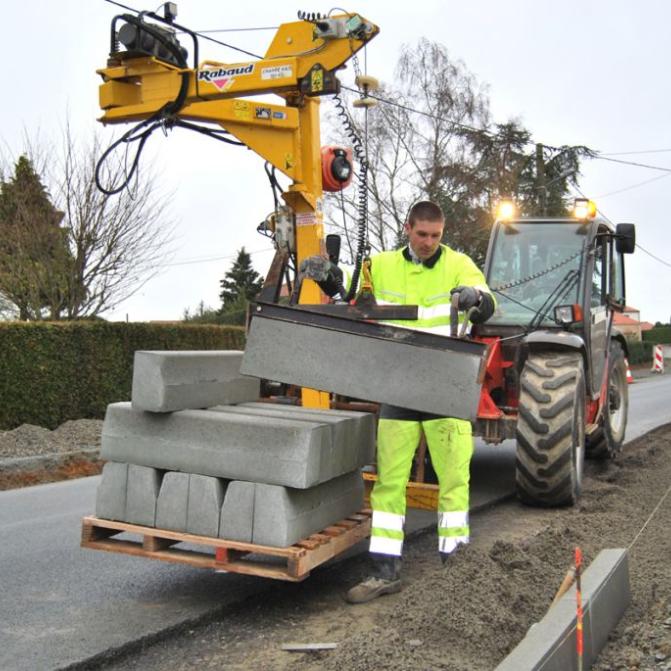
573,72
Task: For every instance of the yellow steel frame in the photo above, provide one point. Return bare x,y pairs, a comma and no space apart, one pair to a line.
288,135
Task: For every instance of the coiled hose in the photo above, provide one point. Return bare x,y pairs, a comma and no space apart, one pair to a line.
362,194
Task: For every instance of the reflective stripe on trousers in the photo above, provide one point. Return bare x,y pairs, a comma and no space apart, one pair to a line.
450,444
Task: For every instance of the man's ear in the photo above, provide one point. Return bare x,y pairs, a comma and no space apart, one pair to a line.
406,228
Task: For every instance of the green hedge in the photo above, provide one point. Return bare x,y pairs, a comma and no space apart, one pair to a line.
640,352
55,371
658,335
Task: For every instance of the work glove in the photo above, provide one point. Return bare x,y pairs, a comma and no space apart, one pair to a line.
325,273
482,303
468,297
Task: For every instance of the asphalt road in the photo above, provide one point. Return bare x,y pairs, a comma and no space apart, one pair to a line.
61,605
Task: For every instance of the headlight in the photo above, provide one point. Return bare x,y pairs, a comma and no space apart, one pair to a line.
568,314
505,210
584,208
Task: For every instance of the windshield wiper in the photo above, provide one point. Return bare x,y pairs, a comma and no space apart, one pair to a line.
565,285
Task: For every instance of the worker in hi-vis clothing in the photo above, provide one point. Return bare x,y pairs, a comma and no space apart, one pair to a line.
425,273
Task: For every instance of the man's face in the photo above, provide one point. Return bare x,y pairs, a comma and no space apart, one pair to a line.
424,237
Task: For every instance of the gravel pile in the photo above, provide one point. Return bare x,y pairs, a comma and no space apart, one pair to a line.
29,440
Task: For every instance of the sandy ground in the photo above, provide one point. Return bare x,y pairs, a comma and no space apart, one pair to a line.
469,614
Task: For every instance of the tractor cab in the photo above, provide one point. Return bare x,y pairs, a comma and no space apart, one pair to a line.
551,272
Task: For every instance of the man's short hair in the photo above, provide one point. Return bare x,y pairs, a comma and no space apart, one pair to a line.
425,210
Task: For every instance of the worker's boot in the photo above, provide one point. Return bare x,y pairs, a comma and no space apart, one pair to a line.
385,578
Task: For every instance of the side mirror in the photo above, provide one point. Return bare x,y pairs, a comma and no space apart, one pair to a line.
625,238
333,247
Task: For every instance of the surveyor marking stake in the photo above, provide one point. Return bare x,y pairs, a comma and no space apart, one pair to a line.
578,599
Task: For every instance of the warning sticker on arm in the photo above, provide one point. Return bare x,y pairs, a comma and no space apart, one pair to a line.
277,72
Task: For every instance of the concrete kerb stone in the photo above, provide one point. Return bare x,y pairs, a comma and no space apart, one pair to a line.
364,422
348,450
283,516
439,381
206,496
280,516
142,491
173,502
171,381
237,512
240,446
207,506
341,432
111,493
550,645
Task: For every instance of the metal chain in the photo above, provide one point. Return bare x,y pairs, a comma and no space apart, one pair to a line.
524,280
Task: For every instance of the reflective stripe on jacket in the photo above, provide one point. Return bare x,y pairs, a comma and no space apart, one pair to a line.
397,281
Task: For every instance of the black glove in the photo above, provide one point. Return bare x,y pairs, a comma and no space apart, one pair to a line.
333,284
327,275
468,297
484,310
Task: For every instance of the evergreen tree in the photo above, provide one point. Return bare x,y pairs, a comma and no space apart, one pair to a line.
240,284
33,247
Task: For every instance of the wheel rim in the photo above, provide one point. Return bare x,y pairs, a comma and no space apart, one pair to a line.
616,389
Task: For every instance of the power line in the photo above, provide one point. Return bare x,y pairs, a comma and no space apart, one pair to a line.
631,153
234,30
482,131
209,259
205,37
638,165
457,124
228,46
633,186
662,261
423,113
643,249
602,156
118,4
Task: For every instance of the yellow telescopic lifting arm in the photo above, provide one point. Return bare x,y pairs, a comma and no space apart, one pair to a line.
298,66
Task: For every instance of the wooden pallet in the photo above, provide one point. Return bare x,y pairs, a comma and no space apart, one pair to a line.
292,563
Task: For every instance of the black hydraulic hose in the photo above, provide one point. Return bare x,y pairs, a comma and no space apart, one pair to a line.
155,120
362,188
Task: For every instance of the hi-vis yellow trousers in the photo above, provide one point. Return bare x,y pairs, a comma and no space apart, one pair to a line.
450,443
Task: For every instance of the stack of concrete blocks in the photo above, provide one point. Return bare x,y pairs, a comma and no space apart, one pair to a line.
195,452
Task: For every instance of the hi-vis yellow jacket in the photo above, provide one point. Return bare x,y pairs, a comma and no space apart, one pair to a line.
397,280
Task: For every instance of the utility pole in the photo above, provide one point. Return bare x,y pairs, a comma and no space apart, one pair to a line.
540,180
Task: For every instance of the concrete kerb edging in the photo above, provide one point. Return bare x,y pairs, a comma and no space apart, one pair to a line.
550,645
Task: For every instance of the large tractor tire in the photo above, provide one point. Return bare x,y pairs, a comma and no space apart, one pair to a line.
551,429
607,440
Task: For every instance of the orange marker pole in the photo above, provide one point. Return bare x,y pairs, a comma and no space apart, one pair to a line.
578,599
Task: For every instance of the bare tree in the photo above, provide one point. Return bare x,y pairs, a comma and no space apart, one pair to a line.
117,242
431,137
409,154
113,244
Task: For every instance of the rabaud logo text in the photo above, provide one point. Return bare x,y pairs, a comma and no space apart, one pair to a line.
211,75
